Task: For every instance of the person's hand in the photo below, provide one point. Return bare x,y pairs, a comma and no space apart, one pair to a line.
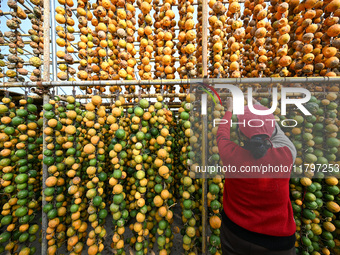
255,102
230,104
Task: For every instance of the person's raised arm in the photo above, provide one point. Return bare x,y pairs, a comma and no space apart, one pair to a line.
256,102
226,147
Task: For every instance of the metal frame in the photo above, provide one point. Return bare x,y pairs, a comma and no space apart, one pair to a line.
54,45
46,77
205,127
235,81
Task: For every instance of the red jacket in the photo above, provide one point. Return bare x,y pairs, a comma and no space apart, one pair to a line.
260,205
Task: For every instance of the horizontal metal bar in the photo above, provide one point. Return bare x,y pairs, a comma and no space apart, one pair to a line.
126,105
153,95
166,95
171,95
264,80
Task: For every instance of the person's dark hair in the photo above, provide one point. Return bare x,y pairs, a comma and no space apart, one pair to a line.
258,145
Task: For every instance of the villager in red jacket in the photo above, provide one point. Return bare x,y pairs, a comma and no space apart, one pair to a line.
258,216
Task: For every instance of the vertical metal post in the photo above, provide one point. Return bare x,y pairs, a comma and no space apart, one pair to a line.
46,77
45,174
204,176
54,44
46,74
205,37
205,7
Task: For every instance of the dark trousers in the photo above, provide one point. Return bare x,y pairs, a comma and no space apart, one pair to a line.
233,245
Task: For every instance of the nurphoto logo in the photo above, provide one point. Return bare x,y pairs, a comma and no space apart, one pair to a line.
238,96
238,107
